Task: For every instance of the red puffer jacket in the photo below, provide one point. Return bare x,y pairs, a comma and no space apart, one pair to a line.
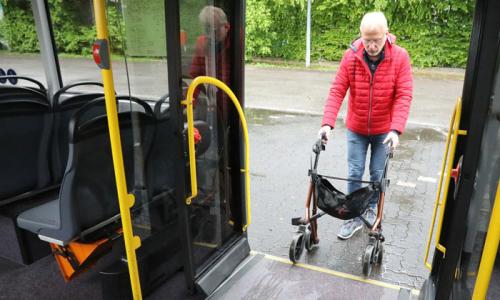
376,105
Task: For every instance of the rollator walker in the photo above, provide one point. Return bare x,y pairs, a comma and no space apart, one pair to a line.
323,195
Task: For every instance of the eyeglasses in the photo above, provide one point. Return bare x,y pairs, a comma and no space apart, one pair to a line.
373,41
212,29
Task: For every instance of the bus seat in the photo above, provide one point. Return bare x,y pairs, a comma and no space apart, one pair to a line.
88,199
161,170
65,105
25,122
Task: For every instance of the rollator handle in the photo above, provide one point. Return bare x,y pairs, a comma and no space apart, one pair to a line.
319,146
390,151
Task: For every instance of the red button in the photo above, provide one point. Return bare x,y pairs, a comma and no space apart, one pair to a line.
96,53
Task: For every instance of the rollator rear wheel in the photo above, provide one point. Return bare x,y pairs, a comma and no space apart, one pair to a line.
296,248
368,259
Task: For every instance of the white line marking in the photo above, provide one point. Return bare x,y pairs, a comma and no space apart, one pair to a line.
406,184
427,179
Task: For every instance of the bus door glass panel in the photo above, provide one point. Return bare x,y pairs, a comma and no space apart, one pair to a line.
206,50
482,202
149,140
19,47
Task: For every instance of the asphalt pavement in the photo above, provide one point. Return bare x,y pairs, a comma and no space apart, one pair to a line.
281,149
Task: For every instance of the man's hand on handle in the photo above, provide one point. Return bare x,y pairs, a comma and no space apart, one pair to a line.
324,133
393,139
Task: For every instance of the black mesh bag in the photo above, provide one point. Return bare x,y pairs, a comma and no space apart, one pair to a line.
339,205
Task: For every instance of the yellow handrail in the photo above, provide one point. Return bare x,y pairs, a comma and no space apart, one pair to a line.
446,166
192,161
489,252
126,201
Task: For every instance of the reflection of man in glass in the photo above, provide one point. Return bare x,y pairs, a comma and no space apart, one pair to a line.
212,57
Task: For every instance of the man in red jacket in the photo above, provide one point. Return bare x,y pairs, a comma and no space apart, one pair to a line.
379,78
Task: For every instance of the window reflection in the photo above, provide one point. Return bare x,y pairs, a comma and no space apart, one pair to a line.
210,54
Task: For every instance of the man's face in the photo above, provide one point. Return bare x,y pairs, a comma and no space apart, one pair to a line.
219,31
222,31
373,40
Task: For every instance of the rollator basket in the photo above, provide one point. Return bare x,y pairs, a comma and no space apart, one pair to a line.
340,205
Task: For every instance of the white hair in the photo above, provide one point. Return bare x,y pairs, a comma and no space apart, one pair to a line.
373,21
212,15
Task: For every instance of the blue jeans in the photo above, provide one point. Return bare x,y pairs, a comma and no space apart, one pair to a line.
357,147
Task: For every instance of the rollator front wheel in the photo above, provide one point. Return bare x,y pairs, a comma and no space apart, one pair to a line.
296,247
368,259
308,240
380,253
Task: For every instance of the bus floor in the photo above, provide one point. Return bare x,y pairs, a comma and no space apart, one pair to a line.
259,277
270,277
42,280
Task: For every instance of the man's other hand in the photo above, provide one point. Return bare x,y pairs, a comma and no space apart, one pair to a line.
393,138
324,133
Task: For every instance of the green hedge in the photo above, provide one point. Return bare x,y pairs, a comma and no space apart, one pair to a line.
74,30
435,32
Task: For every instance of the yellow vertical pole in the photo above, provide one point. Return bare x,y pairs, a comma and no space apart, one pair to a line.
489,252
126,201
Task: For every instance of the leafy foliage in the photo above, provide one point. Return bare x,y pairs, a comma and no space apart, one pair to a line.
435,33
73,26
259,37
17,28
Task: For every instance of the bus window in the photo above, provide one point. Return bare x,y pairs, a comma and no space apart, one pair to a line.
73,41
19,47
143,41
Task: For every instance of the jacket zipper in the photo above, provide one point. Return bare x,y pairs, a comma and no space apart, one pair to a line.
370,101
371,91
372,78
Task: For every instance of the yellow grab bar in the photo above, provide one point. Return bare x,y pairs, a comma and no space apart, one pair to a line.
192,161
489,251
446,166
126,201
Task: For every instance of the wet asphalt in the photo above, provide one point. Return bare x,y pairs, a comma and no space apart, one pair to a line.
281,149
